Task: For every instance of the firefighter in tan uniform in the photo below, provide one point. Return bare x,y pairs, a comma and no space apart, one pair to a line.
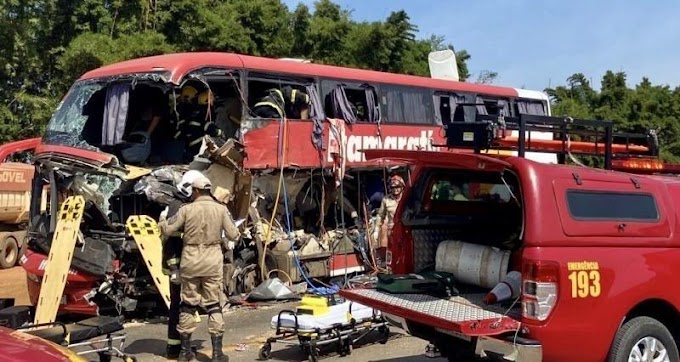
202,222
388,206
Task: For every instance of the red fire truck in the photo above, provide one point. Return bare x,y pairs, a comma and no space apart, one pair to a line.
593,250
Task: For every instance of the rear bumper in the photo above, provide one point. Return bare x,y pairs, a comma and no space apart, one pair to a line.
509,347
519,349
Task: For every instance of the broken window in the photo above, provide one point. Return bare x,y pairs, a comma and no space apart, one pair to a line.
228,104
454,107
131,118
493,106
79,118
275,97
351,102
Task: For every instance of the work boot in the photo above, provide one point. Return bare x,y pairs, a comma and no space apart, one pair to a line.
218,355
172,351
186,354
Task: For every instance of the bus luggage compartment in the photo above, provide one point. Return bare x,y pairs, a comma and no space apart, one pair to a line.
493,329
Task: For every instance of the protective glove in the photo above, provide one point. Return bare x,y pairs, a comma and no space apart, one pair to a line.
174,277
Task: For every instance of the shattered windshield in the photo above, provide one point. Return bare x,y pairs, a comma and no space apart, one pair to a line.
69,124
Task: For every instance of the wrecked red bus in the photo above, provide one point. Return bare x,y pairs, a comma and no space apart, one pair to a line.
122,137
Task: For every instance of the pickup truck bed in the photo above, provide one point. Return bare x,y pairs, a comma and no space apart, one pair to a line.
492,328
466,313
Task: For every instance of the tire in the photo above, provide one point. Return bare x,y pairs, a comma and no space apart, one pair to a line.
456,350
384,334
9,252
265,352
104,357
637,335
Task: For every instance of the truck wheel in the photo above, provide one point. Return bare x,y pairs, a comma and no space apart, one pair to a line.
9,252
643,339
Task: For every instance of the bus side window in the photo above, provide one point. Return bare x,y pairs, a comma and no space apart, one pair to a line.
524,106
410,105
352,103
448,108
493,106
268,98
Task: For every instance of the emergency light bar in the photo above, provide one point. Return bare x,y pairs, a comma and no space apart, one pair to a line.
570,136
645,166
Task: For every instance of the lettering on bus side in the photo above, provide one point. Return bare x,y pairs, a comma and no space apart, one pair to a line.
585,279
356,143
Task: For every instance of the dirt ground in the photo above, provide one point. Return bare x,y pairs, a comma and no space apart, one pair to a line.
13,285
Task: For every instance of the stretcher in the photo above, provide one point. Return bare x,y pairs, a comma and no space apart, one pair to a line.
343,325
59,259
103,335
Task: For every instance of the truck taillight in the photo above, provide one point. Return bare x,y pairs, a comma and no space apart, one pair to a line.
540,281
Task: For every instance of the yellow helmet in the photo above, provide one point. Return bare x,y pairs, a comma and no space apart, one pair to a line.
205,97
187,94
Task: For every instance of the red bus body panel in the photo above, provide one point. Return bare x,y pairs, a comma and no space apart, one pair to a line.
179,65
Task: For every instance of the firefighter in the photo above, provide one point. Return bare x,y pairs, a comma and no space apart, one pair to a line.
285,102
202,222
386,212
196,118
172,251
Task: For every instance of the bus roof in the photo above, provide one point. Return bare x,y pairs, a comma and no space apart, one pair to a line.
179,65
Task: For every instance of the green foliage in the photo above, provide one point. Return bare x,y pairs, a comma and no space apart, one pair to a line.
46,44
639,109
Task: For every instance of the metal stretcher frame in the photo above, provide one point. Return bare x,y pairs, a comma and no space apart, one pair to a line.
105,353
341,334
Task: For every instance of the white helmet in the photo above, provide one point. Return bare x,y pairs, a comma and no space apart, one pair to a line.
184,185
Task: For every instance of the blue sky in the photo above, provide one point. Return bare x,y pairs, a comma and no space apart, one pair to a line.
534,44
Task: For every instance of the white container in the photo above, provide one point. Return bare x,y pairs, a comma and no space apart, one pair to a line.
473,264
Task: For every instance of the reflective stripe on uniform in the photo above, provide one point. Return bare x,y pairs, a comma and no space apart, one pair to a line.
270,104
292,95
173,261
194,123
196,141
278,91
174,342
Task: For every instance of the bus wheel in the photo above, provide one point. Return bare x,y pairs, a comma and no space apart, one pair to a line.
643,339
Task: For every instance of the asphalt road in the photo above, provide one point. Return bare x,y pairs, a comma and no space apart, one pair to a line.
246,330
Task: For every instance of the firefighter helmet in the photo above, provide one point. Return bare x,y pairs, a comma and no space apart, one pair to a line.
185,184
396,181
206,97
187,94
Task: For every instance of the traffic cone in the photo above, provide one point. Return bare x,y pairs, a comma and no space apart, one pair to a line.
508,288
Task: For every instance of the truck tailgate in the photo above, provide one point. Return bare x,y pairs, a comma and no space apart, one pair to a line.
466,314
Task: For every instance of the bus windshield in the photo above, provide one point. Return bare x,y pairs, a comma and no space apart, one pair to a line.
68,123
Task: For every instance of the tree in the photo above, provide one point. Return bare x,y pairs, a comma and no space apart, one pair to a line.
46,44
639,109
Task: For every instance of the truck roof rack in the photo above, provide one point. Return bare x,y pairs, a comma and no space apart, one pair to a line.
570,136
